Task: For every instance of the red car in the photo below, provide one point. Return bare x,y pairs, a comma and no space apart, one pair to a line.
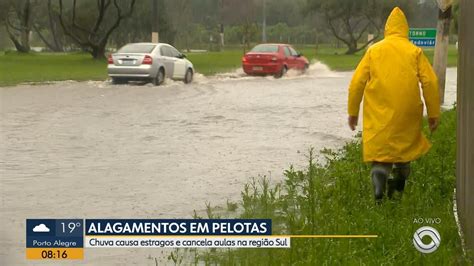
273,59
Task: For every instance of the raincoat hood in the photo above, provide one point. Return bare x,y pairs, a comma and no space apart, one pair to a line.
397,25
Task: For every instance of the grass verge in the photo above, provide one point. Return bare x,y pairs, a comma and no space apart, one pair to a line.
338,61
18,68
336,198
211,63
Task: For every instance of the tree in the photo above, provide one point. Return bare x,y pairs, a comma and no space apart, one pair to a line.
180,15
18,24
49,23
139,26
455,16
244,14
278,31
285,11
4,8
350,20
93,37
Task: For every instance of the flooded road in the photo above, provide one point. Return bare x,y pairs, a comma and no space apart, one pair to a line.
94,150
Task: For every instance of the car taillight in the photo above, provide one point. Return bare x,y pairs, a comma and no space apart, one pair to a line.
110,60
147,60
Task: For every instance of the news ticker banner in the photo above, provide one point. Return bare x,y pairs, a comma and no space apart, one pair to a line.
67,238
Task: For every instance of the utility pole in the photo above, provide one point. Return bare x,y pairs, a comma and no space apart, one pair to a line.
264,24
441,47
154,21
465,126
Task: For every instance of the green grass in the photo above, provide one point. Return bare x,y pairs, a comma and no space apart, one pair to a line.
18,68
337,60
336,198
211,63
452,55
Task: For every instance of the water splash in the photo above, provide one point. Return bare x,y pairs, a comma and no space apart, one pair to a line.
316,69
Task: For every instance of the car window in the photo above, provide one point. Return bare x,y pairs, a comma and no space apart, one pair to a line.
169,51
174,52
293,51
137,48
162,51
165,51
265,48
287,51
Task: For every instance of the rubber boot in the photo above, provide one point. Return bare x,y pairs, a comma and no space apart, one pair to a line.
379,175
392,184
400,174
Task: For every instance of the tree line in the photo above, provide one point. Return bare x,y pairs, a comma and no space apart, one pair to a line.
95,25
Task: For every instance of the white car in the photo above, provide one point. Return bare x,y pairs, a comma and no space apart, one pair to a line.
149,62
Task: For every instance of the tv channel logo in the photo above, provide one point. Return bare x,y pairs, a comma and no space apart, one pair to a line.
433,234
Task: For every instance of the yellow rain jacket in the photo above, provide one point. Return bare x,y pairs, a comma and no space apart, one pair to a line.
388,77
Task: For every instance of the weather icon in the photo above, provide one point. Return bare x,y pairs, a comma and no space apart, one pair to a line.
41,228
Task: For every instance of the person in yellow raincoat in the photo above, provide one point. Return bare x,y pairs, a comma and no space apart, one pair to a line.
388,78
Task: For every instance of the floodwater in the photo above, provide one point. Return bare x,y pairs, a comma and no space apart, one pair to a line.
95,150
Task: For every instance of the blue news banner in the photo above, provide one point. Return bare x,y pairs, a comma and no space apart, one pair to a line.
66,238
184,233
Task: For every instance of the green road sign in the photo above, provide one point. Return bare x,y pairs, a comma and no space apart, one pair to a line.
422,33
423,37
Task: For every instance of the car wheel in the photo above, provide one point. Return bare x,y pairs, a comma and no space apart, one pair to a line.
160,77
283,71
116,81
305,69
188,78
